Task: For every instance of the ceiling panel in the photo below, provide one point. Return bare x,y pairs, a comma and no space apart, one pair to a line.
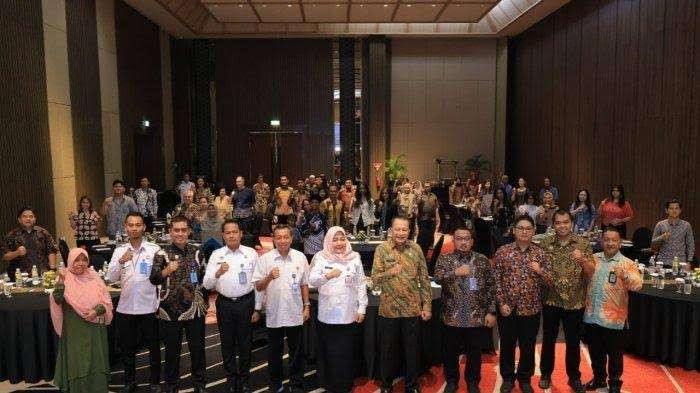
278,13
326,12
463,12
417,12
371,12
234,13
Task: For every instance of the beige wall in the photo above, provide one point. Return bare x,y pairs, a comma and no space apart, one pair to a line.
60,122
443,99
109,92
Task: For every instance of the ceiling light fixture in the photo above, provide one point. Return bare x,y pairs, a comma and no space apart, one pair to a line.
408,5
289,5
386,5
240,6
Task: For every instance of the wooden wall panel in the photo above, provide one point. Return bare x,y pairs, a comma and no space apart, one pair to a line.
140,95
25,154
261,80
624,99
86,110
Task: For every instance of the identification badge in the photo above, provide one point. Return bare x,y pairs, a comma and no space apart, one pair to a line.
143,269
242,278
296,289
473,284
349,280
193,277
612,278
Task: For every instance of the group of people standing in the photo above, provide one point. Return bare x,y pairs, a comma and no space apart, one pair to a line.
165,289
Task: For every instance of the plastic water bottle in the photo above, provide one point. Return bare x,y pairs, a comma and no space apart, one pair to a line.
674,265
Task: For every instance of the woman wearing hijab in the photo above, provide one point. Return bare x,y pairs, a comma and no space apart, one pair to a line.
342,299
81,309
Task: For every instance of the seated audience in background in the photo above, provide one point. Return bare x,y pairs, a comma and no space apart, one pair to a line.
115,209
611,276
674,236
85,223
547,186
28,245
615,210
529,207
545,212
584,212
81,309
146,199
519,195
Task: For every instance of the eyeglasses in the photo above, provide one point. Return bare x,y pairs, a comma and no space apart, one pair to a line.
463,239
525,229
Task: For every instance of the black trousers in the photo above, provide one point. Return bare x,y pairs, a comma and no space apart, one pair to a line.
399,334
426,235
194,330
296,357
335,354
605,346
573,328
236,332
460,340
520,330
129,327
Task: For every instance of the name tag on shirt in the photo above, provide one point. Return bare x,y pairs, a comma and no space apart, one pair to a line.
144,268
294,285
349,281
193,277
473,284
242,278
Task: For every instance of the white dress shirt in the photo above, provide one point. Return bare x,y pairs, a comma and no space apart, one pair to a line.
340,299
237,281
284,304
138,295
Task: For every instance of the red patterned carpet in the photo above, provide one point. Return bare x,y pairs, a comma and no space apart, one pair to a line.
640,376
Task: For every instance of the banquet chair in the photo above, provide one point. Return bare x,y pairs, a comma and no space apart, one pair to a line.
63,249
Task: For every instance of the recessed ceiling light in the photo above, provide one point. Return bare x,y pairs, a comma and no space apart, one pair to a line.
337,5
289,5
362,5
408,5
386,5
240,6
433,5
264,5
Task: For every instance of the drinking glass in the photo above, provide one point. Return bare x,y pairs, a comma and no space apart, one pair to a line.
7,289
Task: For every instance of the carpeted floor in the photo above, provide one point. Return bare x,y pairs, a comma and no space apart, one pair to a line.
640,375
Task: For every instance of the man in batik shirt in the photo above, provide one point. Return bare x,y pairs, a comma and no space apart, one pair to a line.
28,245
262,195
564,300
400,271
146,200
468,306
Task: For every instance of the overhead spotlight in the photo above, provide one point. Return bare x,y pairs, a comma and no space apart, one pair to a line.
386,5
289,5
408,5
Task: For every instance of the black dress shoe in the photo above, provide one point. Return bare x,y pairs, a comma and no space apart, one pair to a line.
473,387
451,387
576,386
507,387
545,382
595,384
526,387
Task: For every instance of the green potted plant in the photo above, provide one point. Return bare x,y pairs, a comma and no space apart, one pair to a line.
478,164
395,169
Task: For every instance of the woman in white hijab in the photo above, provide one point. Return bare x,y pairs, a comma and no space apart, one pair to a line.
338,274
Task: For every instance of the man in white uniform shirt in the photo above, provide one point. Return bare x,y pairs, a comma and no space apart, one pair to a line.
283,274
131,266
230,272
